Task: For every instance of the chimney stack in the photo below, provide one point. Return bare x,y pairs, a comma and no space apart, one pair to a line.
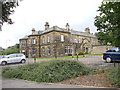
33,30
87,30
67,27
46,25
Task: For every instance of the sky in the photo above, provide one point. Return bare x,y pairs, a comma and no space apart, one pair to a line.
34,13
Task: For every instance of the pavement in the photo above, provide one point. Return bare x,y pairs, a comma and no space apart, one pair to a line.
17,83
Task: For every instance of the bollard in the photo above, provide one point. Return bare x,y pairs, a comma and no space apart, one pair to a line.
77,57
34,60
114,62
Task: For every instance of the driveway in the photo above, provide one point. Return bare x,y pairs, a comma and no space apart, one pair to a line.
93,61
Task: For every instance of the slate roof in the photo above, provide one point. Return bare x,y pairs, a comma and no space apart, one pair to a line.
74,32
26,37
56,28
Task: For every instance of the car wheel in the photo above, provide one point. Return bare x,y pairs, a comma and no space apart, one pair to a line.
23,61
108,59
3,63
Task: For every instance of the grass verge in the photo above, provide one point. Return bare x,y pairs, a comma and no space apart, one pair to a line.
51,71
64,57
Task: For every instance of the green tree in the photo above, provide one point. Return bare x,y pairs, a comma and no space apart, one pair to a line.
6,9
108,22
104,38
11,49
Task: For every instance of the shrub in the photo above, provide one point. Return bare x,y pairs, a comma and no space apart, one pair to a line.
51,71
114,76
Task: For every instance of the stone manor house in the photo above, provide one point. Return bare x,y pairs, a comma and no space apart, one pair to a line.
56,41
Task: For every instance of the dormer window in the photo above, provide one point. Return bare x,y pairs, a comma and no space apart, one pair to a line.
62,38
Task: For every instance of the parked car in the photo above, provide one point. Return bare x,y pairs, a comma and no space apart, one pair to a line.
13,58
2,56
111,55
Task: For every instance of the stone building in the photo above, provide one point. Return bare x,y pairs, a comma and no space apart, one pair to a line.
56,41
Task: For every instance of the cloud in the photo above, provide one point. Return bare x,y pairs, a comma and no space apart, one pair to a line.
34,13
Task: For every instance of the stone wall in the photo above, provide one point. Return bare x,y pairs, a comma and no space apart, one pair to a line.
98,49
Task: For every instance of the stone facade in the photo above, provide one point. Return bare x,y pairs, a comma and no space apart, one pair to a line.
99,49
56,41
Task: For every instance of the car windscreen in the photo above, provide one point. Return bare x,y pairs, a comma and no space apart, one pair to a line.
113,50
2,56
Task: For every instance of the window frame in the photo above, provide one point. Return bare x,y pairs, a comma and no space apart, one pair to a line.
43,39
68,49
33,51
43,51
33,41
49,51
23,44
48,39
62,38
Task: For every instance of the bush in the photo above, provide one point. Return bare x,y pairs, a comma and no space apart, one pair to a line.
51,71
114,76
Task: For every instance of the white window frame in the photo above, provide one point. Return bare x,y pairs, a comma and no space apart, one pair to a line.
79,40
43,51
33,51
68,49
49,51
48,38
33,41
75,40
23,44
62,38
43,39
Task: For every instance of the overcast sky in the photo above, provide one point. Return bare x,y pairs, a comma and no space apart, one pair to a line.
34,13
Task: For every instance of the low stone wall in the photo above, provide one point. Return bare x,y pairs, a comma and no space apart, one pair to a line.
100,49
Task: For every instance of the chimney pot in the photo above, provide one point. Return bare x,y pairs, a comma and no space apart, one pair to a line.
33,30
46,25
67,27
87,30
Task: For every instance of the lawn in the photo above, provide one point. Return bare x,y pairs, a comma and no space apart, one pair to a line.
64,57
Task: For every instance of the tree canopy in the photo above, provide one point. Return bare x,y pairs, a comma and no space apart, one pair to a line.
108,22
10,50
7,8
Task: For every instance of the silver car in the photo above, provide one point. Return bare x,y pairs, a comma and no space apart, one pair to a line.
13,58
